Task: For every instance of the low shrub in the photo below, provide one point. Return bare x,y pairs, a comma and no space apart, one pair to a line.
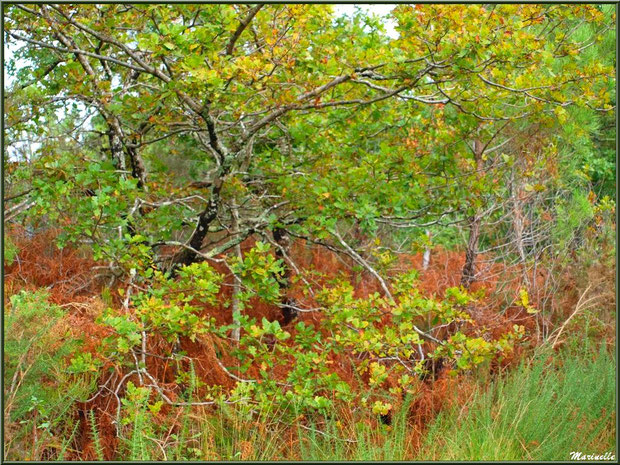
40,392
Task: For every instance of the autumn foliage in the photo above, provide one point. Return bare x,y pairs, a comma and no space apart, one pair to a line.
238,231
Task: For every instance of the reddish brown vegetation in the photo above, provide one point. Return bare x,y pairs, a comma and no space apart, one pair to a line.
67,274
71,279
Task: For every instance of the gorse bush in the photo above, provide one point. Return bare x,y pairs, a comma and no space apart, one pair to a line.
11,251
40,392
544,410
94,430
136,414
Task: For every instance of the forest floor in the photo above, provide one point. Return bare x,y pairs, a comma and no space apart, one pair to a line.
553,396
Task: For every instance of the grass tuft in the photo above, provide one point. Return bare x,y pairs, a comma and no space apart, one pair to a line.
546,409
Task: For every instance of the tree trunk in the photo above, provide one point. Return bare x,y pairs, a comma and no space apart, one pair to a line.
189,255
469,270
138,170
116,148
281,238
517,217
236,307
468,275
426,259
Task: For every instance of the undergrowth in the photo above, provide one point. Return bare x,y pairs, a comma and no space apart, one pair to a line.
549,407
555,402
40,393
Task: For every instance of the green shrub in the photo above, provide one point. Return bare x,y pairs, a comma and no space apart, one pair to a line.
39,391
379,335
10,250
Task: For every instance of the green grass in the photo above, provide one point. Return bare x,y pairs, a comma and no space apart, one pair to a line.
332,441
544,410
